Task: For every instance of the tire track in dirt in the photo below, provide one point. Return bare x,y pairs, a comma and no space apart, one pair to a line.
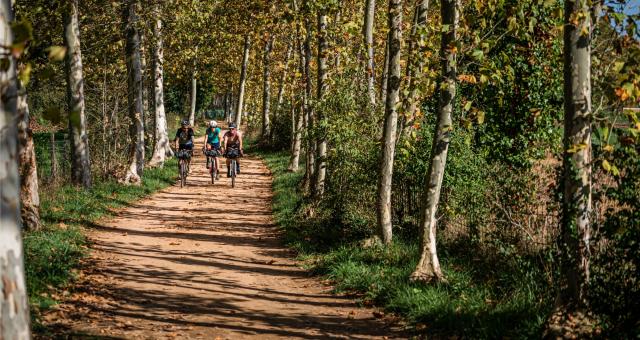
205,262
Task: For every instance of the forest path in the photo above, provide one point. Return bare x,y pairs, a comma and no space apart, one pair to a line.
205,262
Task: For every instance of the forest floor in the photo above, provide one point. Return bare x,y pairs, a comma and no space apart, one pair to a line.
205,261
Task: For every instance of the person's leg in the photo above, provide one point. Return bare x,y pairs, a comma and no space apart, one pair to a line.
228,167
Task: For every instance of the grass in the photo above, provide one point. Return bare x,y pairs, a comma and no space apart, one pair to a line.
53,254
486,298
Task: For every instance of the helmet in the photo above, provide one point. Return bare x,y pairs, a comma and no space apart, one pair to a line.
213,123
185,123
232,126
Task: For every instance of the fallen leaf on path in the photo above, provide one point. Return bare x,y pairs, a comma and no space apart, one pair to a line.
270,262
174,243
378,314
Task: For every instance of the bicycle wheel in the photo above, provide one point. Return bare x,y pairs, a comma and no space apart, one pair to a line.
213,170
233,173
183,173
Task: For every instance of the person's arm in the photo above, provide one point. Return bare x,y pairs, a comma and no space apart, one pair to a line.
204,141
241,145
175,140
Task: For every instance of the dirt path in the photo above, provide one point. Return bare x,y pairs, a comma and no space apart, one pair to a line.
196,263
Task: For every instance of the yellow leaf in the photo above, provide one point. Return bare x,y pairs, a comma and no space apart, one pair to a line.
57,53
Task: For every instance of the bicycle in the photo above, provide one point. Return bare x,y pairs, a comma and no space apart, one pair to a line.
213,170
183,165
233,154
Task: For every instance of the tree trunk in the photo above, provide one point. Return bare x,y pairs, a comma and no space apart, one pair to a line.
414,69
194,94
162,148
80,161
428,268
134,89
309,118
14,310
576,203
29,197
294,161
266,90
385,78
390,122
243,80
369,19
321,152
283,80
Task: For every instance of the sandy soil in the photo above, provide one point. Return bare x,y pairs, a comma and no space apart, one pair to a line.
205,262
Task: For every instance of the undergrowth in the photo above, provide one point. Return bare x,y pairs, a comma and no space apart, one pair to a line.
486,296
53,254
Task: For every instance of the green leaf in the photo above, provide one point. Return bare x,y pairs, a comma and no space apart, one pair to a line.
478,54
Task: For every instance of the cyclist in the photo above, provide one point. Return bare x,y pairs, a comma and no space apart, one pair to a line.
232,142
212,141
184,139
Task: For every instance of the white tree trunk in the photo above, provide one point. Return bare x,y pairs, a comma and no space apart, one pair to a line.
243,80
390,122
162,149
414,67
385,75
266,90
29,196
80,161
428,268
194,94
321,151
283,80
14,311
299,119
134,86
369,20
576,204
309,116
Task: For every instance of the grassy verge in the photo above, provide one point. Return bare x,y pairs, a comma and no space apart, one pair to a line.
485,297
53,254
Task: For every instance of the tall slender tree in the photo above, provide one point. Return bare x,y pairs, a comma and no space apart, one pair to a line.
309,116
415,65
134,90
428,268
29,196
266,88
14,311
80,161
243,79
162,148
390,122
369,19
300,122
576,179
283,80
194,90
321,151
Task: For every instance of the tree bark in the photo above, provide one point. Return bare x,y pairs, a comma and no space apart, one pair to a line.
294,161
369,19
266,89
321,151
283,79
309,117
428,268
414,69
576,203
29,196
134,88
385,72
390,122
194,94
14,310
80,161
243,80
162,148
